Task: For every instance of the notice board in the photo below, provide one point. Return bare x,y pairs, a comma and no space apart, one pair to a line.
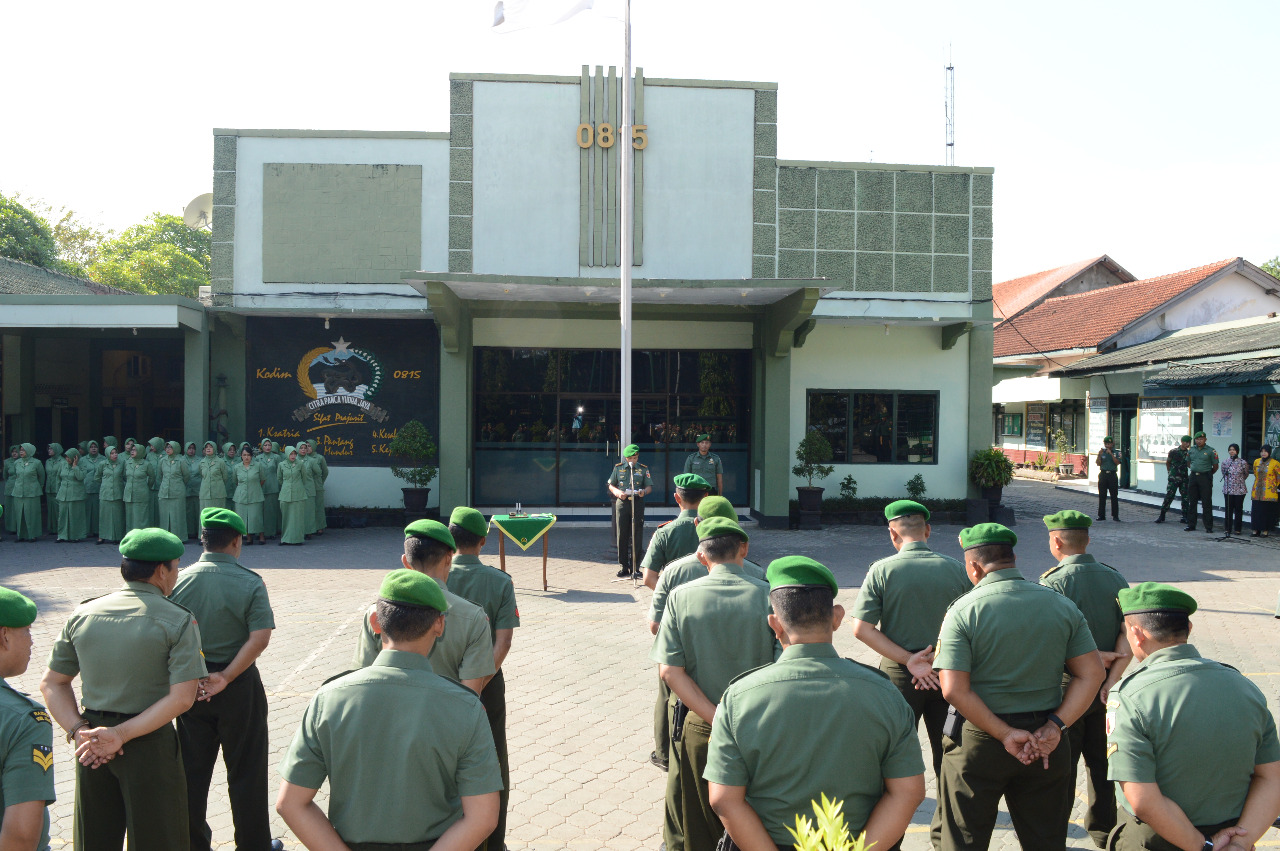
1162,421
1037,416
350,387
1098,409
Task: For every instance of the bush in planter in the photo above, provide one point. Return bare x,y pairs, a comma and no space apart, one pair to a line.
848,488
415,449
813,452
990,468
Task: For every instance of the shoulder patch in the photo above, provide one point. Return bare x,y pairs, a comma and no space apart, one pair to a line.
41,716
1050,571
42,755
1112,748
668,523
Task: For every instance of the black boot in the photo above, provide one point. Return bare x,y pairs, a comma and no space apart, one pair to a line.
1160,519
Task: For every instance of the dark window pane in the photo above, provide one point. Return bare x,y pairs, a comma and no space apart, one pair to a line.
871,428
917,422
590,372
829,415
648,372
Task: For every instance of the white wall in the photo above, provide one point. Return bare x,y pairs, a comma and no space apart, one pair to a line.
1153,476
1233,297
910,358
603,334
1038,388
368,487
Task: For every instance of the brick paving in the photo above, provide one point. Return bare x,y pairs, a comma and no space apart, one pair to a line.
579,686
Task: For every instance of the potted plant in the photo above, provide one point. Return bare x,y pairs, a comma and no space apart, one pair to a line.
991,470
413,450
813,452
1065,467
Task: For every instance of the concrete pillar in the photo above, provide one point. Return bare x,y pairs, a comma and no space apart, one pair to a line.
981,374
195,386
771,467
456,406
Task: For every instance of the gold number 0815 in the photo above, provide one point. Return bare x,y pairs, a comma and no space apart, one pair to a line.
586,136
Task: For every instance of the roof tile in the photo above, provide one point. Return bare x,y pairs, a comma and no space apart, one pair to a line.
1010,298
18,278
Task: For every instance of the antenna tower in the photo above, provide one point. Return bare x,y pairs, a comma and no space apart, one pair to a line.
950,107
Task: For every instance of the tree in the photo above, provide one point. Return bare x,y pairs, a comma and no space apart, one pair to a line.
24,235
1272,266
161,256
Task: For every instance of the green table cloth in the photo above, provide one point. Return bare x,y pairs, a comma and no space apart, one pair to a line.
524,531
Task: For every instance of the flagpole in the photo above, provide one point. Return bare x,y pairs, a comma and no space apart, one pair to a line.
624,140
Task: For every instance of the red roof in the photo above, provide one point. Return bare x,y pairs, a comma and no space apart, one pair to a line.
1012,297
1085,320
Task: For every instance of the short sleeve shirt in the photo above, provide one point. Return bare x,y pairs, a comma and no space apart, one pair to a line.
1194,727
1013,637
908,593
487,587
1202,460
26,755
358,724
672,541
624,477
128,648
682,571
229,601
820,750
464,652
1093,587
708,466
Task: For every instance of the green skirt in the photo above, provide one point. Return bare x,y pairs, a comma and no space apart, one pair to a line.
251,514
10,525
111,520
309,514
73,525
212,503
51,505
91,513
172,516
321,522
137,515
293,522
193,516
27,517
271,514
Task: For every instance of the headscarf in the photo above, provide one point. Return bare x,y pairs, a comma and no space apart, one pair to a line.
275,447
108,441
30,449
226,447
177,448
289,450
156,444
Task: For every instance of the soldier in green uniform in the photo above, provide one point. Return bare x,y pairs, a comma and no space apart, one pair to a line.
171,491
1175,466
192,460
1191,743
73,523
10,464
269,460
494,592
676,538
52,478
443,790
1202,463
786,734
1000,655
1092,586
214,476
28,484
138,658
714,629
26,736
92,485
230,602
464,653
907,594
629,483
137,489
707,464
1108,479
111,498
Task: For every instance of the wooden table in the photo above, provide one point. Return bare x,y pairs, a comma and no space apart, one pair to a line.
524,531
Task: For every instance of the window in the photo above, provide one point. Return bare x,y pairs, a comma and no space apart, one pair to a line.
1069,416
1012,425
876,426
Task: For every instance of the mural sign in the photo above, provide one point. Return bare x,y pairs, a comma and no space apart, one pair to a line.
1162,421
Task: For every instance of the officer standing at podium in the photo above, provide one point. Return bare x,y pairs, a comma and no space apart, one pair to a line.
629,483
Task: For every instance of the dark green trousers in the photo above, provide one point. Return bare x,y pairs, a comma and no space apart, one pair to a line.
701,826
141,793
661,725
1200,493
673,812
494,698
236,721
977,772
1175,486
1089,740
1133,835
929,705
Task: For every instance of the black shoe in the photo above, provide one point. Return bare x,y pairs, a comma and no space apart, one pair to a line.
1102,518
1160,519
1208,531
624,573
1189,529
1255,534
1115,519
657,760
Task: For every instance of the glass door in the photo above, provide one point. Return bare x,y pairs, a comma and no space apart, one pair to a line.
587,428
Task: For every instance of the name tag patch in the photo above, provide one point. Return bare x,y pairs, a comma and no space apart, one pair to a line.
41,716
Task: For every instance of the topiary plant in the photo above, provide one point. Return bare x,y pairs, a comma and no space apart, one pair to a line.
413,447
990,468
813,452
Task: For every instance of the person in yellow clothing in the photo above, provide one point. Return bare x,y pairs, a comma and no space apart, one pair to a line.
1265,493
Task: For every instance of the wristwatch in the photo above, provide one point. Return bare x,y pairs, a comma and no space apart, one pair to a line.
1058,723
1208,845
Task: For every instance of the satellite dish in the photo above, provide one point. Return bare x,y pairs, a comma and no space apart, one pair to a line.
199,213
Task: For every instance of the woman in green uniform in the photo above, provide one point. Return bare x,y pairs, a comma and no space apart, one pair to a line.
137,489
293,498
9,477
52,478
213,478
230,455
320,472
111,498
90,461
172,492
28,484
268,461
310,472
155,454
192,459
72,523
248,497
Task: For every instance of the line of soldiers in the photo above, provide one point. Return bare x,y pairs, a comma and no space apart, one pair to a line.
758,717
168,676
98,491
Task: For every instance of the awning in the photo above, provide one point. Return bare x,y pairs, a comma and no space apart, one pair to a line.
1246,377
100,312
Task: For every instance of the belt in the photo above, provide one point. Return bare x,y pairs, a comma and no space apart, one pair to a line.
1025,720
122,716
424,845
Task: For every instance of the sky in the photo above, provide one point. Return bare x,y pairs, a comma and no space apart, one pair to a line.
1142,130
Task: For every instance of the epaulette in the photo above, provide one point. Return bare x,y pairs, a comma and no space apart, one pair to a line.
1051,571
749,672
668,523
340,676
91,599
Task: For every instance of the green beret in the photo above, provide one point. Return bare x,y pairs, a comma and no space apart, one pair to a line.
800,572
471,520
716,506
714,527
1067,520
411,588
1186,438
1107,439
16,610
904,508
692,481
151,545
430,529
1155,597
702,437
631,449
222,518
986,533
1199,435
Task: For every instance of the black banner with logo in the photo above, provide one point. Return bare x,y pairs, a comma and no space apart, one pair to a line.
349,387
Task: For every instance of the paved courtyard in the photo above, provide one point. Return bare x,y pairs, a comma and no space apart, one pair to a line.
579,685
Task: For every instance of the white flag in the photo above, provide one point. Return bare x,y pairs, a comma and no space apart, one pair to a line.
513,15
